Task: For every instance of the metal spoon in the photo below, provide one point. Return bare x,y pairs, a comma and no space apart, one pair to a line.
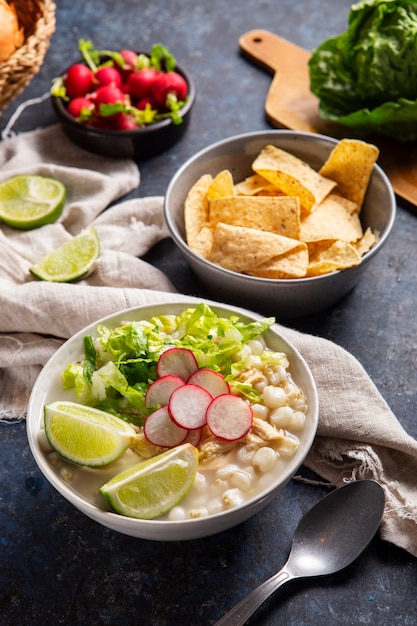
328,538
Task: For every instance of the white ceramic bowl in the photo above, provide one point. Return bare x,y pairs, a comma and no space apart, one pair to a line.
48,388
282,298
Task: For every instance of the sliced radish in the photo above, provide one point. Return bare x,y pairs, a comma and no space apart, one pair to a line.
160,390
188,405
194,436
160,430
177,361
229,417
210,380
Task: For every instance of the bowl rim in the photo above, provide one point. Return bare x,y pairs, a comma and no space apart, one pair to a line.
310,137
61,111
167,528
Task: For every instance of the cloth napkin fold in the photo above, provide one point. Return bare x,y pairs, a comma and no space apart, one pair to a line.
358,435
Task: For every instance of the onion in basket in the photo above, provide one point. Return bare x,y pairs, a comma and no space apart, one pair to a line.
11,35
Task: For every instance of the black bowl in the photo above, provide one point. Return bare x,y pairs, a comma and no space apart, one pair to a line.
135,144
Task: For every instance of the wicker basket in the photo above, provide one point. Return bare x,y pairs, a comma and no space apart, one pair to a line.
37,17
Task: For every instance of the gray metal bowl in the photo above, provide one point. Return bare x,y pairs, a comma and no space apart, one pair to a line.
286,298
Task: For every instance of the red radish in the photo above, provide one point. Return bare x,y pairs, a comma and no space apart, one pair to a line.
210,380
166,83
108,95
160,430
159,392
229,417
130,58
78,80
140,82
194,436
125,121
108,76
188,406
178,361
145,101
77,105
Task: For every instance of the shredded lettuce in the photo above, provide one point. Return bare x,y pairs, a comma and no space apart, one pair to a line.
120,363
366,78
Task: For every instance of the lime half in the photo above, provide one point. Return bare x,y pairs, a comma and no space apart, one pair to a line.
70,261
153,487
29,201
84,435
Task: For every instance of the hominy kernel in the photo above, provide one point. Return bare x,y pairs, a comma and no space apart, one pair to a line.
264,459
177,514
260,386
200,483
289,446
241,480
260,411
231,498
298,421
197,513
67,475
224,472
274,396
256,346
282,417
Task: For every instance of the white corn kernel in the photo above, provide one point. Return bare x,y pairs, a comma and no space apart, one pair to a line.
260,411
264,459
231,498
176,514
200,483
289,446
282,417
274,396
197,513
298,421
241,480
256,346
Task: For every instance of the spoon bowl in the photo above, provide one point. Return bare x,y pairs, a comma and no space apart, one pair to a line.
332,534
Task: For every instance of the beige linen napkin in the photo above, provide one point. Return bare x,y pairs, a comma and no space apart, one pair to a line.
358,435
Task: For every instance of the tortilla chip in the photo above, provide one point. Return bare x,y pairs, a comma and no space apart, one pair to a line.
330,256
350,165
196,209
366,242
292,265
293,176
279,215
248,250
256,185
203,242
334,218
221,186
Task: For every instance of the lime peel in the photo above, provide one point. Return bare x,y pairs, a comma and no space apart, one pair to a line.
85,435
28,201
153,487
70,261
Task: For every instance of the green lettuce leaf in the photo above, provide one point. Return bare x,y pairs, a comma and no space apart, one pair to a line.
366,78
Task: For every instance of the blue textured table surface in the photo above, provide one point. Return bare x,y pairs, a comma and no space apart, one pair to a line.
57,566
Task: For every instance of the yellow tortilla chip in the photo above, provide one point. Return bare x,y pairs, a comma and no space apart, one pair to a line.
334,218
330,256
279,215
248,250
350,165
196,209
222,185
256,185
203,242
292,176
366,242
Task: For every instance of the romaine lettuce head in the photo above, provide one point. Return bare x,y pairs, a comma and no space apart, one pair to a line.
366,78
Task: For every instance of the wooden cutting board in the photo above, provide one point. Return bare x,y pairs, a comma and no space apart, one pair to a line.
290,104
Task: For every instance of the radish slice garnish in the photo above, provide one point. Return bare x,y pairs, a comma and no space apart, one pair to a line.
188,405
159,392
160,430
177,361
229,417
210,380
194,436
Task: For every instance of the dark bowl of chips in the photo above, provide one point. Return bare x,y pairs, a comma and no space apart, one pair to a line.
280,221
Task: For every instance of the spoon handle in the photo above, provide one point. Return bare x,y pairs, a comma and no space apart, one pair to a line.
246,607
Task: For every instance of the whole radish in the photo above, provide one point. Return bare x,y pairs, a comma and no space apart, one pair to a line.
78,80
140,83
108,76
108,95
76,106
169,83
130,58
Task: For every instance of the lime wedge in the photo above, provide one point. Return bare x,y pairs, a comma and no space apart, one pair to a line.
70,261
28,201
85,435
153,487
